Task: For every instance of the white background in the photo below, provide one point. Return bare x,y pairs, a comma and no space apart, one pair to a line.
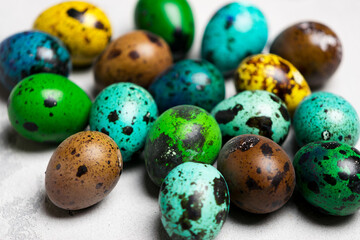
131,210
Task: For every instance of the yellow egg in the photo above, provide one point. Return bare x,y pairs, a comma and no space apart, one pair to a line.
274,74
83,27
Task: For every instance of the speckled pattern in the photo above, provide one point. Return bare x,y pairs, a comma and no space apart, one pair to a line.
326,116
274,74
46,107
27,53
259,173
125,112
194,202
236,31
83,170
193,82
328,176
136,57
253,112
83,27
181,134
171,19
313,48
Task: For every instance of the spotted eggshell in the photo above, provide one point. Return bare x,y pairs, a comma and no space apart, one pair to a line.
193,82
46,107
83,170
328,176
27,53
274,74
125,112
259,173
236,31
181,134
326,116
83,27
253,112
136,57
194,202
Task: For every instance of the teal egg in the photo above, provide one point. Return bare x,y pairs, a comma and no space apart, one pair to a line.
194,201
236,31
125,112
327,176
324,116
253,112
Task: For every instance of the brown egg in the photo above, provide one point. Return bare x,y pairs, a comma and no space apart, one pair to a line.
136,57
83,170
313,48
260,175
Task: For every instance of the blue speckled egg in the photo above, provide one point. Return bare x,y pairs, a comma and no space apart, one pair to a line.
192,82
125,112
236,31
27,53
326,116
253,112
194,201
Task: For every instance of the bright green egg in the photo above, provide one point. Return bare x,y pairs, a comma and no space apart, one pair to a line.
171,19
48,107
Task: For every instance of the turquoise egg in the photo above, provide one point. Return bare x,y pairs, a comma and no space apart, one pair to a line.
125,112
324,116
191,82
253,112
194,201
236,31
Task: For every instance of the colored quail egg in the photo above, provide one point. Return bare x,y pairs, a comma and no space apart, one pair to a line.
193,82
313,48
327,176
83,27
326,116
27,53
136,57
236,31
83,170
274,74
46,107
194,201
181,134
259,173
125,112
170,19
253,112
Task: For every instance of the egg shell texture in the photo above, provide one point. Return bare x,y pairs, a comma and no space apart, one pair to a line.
27,53
253,112
181,134
259,173
193,82
83,27
46,107
326,116
83,170
328,176
236,31
125,112
171,19
313,48
194,202
274,74
136,57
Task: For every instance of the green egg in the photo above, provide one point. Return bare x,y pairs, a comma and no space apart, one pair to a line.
171,19
48,107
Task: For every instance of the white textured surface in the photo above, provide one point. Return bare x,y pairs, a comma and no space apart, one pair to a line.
131,210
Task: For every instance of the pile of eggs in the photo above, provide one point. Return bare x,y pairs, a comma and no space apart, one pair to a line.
176,114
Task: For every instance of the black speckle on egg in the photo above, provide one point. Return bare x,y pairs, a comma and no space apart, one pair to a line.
264,124
50,102
128,130
81,171
226,116
30,126
113,116
220,191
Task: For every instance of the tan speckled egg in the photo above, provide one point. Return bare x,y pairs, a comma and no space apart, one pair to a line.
136,57
83,170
